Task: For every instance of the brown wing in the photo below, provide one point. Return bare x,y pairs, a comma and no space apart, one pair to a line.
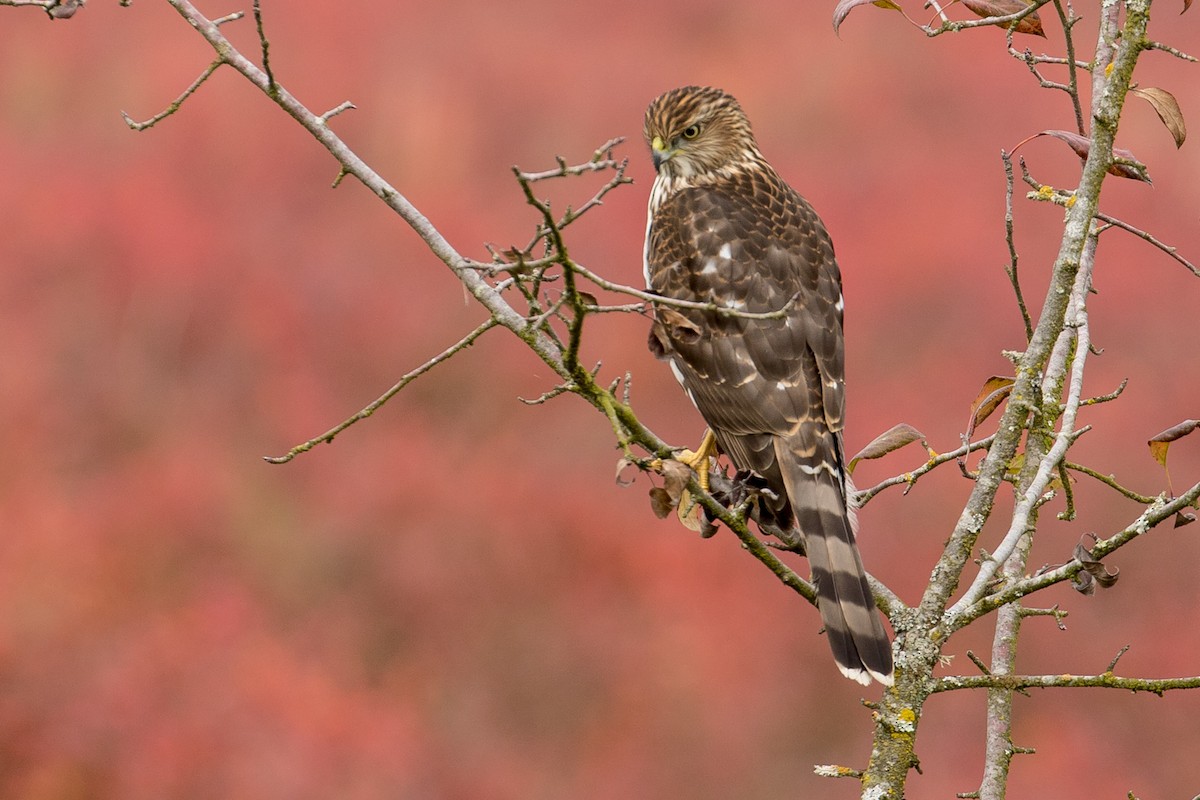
772,390
752,244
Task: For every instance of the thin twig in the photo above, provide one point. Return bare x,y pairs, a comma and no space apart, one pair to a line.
1074,336
1160,510
1141,234
953,26
1110,481
266,48
171,109
406,379
1011,268
864,496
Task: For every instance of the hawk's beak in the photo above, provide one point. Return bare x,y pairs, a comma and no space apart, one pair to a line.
659,152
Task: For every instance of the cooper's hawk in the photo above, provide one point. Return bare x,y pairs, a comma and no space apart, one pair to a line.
725,229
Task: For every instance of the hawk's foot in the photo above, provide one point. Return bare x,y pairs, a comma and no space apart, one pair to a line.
700,460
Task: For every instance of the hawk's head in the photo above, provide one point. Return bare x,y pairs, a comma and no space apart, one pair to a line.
698,130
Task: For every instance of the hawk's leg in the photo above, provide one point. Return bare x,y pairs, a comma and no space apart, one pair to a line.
700,460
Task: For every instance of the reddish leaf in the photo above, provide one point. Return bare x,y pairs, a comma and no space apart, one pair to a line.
1167,108
1031,23
892,439
1135,170
844,7
995,391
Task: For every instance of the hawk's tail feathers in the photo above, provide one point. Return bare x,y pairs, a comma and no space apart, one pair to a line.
815,485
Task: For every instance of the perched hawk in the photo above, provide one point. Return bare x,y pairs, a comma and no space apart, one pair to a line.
725,229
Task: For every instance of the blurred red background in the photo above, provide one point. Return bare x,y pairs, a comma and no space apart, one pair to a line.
455,600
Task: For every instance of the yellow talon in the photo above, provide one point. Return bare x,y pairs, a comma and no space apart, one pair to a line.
699,460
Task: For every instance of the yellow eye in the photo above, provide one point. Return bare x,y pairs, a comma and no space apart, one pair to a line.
691,131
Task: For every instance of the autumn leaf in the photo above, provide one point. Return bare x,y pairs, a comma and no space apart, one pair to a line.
1162,442
995,391
1031,23
1127,167
1167,108
892,439
844,7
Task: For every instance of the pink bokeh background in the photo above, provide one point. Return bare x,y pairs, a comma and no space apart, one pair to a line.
454,600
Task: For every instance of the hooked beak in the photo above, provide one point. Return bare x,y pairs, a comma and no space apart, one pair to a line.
659,152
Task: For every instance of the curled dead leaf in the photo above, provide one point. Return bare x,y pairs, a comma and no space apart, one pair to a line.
1126,165
1167,108
1031,23
677,326
844,7
622,465
64,9
1093,573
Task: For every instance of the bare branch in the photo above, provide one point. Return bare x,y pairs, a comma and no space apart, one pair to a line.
405,380
1110,481
864,496
657,299
338,109
171,109
953,26
266,47
1011,268
1141,234
1158,686
1073,336
1158,512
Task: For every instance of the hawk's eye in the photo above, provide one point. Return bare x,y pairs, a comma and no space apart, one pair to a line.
691,131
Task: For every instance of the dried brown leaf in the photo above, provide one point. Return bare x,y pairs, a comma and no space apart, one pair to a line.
691,513
64,9
1186,5
660,502
995,391
587,298
622,465
1031,23
675,477
1184,518
1134,169
1093,573
1167,108
844,7
678,326
892,439
1160,443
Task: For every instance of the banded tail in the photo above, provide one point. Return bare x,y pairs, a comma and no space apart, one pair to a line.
811,463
